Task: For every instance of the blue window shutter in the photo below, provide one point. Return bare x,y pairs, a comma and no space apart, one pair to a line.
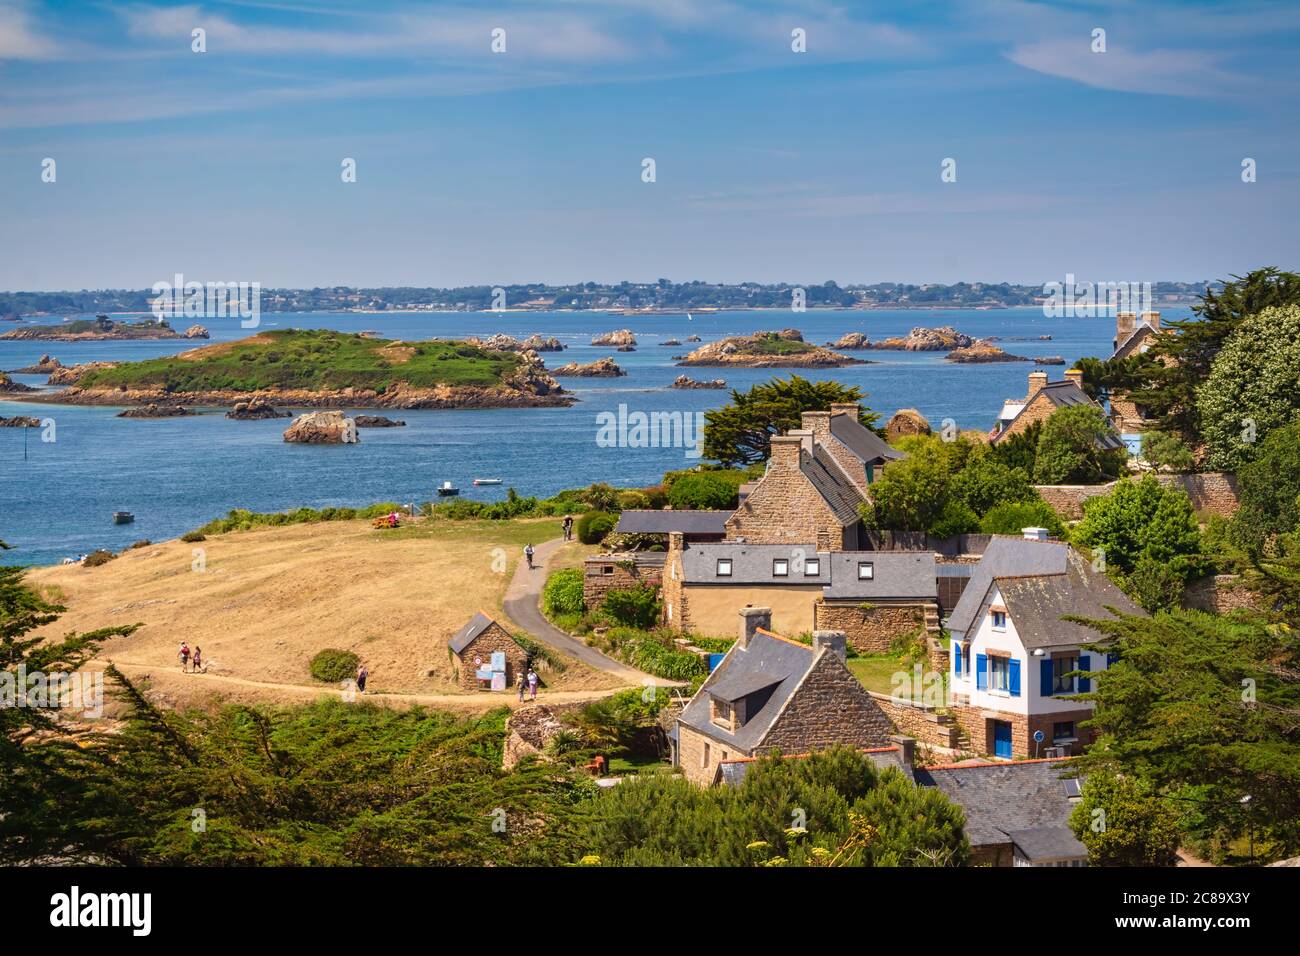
981,672
1111,658
1085,664
1013,676
956,658
1045,677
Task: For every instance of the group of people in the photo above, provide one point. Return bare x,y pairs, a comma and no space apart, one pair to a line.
191,659
528,683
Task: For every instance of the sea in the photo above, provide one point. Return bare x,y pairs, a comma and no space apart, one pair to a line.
57,498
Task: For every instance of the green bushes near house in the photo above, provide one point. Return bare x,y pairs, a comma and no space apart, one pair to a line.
637,606
706,490
562,593
334,666
594,525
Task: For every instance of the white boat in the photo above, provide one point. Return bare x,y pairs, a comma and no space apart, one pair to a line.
447,489
487,481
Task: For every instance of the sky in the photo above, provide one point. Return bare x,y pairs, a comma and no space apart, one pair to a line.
479,166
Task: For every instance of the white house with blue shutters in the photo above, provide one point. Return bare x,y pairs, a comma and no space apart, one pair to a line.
1015,661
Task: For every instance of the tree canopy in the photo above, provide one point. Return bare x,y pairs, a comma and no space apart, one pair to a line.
1070,449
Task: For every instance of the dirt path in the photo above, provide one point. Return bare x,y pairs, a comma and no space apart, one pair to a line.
171,681
522,605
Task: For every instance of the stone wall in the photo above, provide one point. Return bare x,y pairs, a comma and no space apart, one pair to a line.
919,721
1220,594
698,756
604,573
1039,410
1067,500
978,725
674,601
494,638
829,707
870,629
1211,492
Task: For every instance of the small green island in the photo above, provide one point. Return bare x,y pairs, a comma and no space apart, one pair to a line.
326,369
102,328
784,349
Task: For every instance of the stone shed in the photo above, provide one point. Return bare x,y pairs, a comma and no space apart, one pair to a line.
482,649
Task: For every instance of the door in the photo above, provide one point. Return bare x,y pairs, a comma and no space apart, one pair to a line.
1001,739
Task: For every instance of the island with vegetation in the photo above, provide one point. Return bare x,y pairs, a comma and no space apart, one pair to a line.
784,349
322,368
101,327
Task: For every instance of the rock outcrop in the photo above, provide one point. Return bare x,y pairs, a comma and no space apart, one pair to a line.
377,421
196,332
671,342
620,337
784,349
906,421
9,387
44,366
20,421
153,410
943,339
256,408
1049,360
982,352
322,428
851,341
500,342
69,374
693,338
100,328
682,381
601,368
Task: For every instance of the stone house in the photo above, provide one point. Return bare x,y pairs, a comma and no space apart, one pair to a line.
873,596
483,648
861,454
1017,814
804,496
1013,656
770,693
1043,399
1132,337
602,573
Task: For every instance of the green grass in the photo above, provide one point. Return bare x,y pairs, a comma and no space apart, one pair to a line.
313,360
876,673
775,346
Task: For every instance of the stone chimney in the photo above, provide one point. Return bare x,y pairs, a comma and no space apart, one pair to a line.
751,619
1125,322
819,423
1152,319
852,409
1035,534
1074,375
834,641
676,541
1036,381
906,747
784,454
805,436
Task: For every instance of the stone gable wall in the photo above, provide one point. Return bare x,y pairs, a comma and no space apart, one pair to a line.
869,630
624,573
495,638
829,707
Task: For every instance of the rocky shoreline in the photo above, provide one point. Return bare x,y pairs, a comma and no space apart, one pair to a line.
102,328
784,349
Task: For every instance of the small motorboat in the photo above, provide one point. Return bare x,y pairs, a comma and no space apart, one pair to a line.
123,517
447,489
487,481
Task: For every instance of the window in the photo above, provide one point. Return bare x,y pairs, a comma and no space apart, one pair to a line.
1060,667
999,674
704,756
1062,730
721,713
607,569
999,620
866,570
780,567
812,567
724,567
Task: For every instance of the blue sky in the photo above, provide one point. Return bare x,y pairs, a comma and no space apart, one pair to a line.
482,167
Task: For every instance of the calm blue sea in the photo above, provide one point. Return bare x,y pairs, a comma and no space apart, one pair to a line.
57,498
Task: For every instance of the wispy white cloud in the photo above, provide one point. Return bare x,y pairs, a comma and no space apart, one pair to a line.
20,40
1172,72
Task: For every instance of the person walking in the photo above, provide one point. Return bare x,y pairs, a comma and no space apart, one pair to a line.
532,683
523,685
568,527
184,655
362,675
198,659
528,554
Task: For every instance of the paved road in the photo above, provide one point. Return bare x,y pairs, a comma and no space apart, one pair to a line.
521,606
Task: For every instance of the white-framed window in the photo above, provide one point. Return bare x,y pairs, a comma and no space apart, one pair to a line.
724,567
780,567
812,567
866,570
999,674
999,620
1060,667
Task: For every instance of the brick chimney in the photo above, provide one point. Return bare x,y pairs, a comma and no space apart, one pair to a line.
784,454
751,619
1036,381
852,409
1152,319
906,747
1074,375
1125,322
834,641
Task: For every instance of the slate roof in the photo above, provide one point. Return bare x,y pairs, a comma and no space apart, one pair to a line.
1003,557
662,522
768,655
832,484
1040,844
1000,799
1036,603
1140,334
1066,394
751,563
462,639
862,441
895,574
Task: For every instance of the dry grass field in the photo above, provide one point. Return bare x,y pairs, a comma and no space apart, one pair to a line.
267,600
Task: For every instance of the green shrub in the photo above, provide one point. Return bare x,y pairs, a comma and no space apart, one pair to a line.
562,593
333,666
193,536
1014,516
628,500
706,490
140,544
96,558
637,606
594,525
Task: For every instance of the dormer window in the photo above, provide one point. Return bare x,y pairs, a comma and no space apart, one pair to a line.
812,567
724,714
780,567
866,570
724,567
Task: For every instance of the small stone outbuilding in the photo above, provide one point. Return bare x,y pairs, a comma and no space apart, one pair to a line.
483,649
